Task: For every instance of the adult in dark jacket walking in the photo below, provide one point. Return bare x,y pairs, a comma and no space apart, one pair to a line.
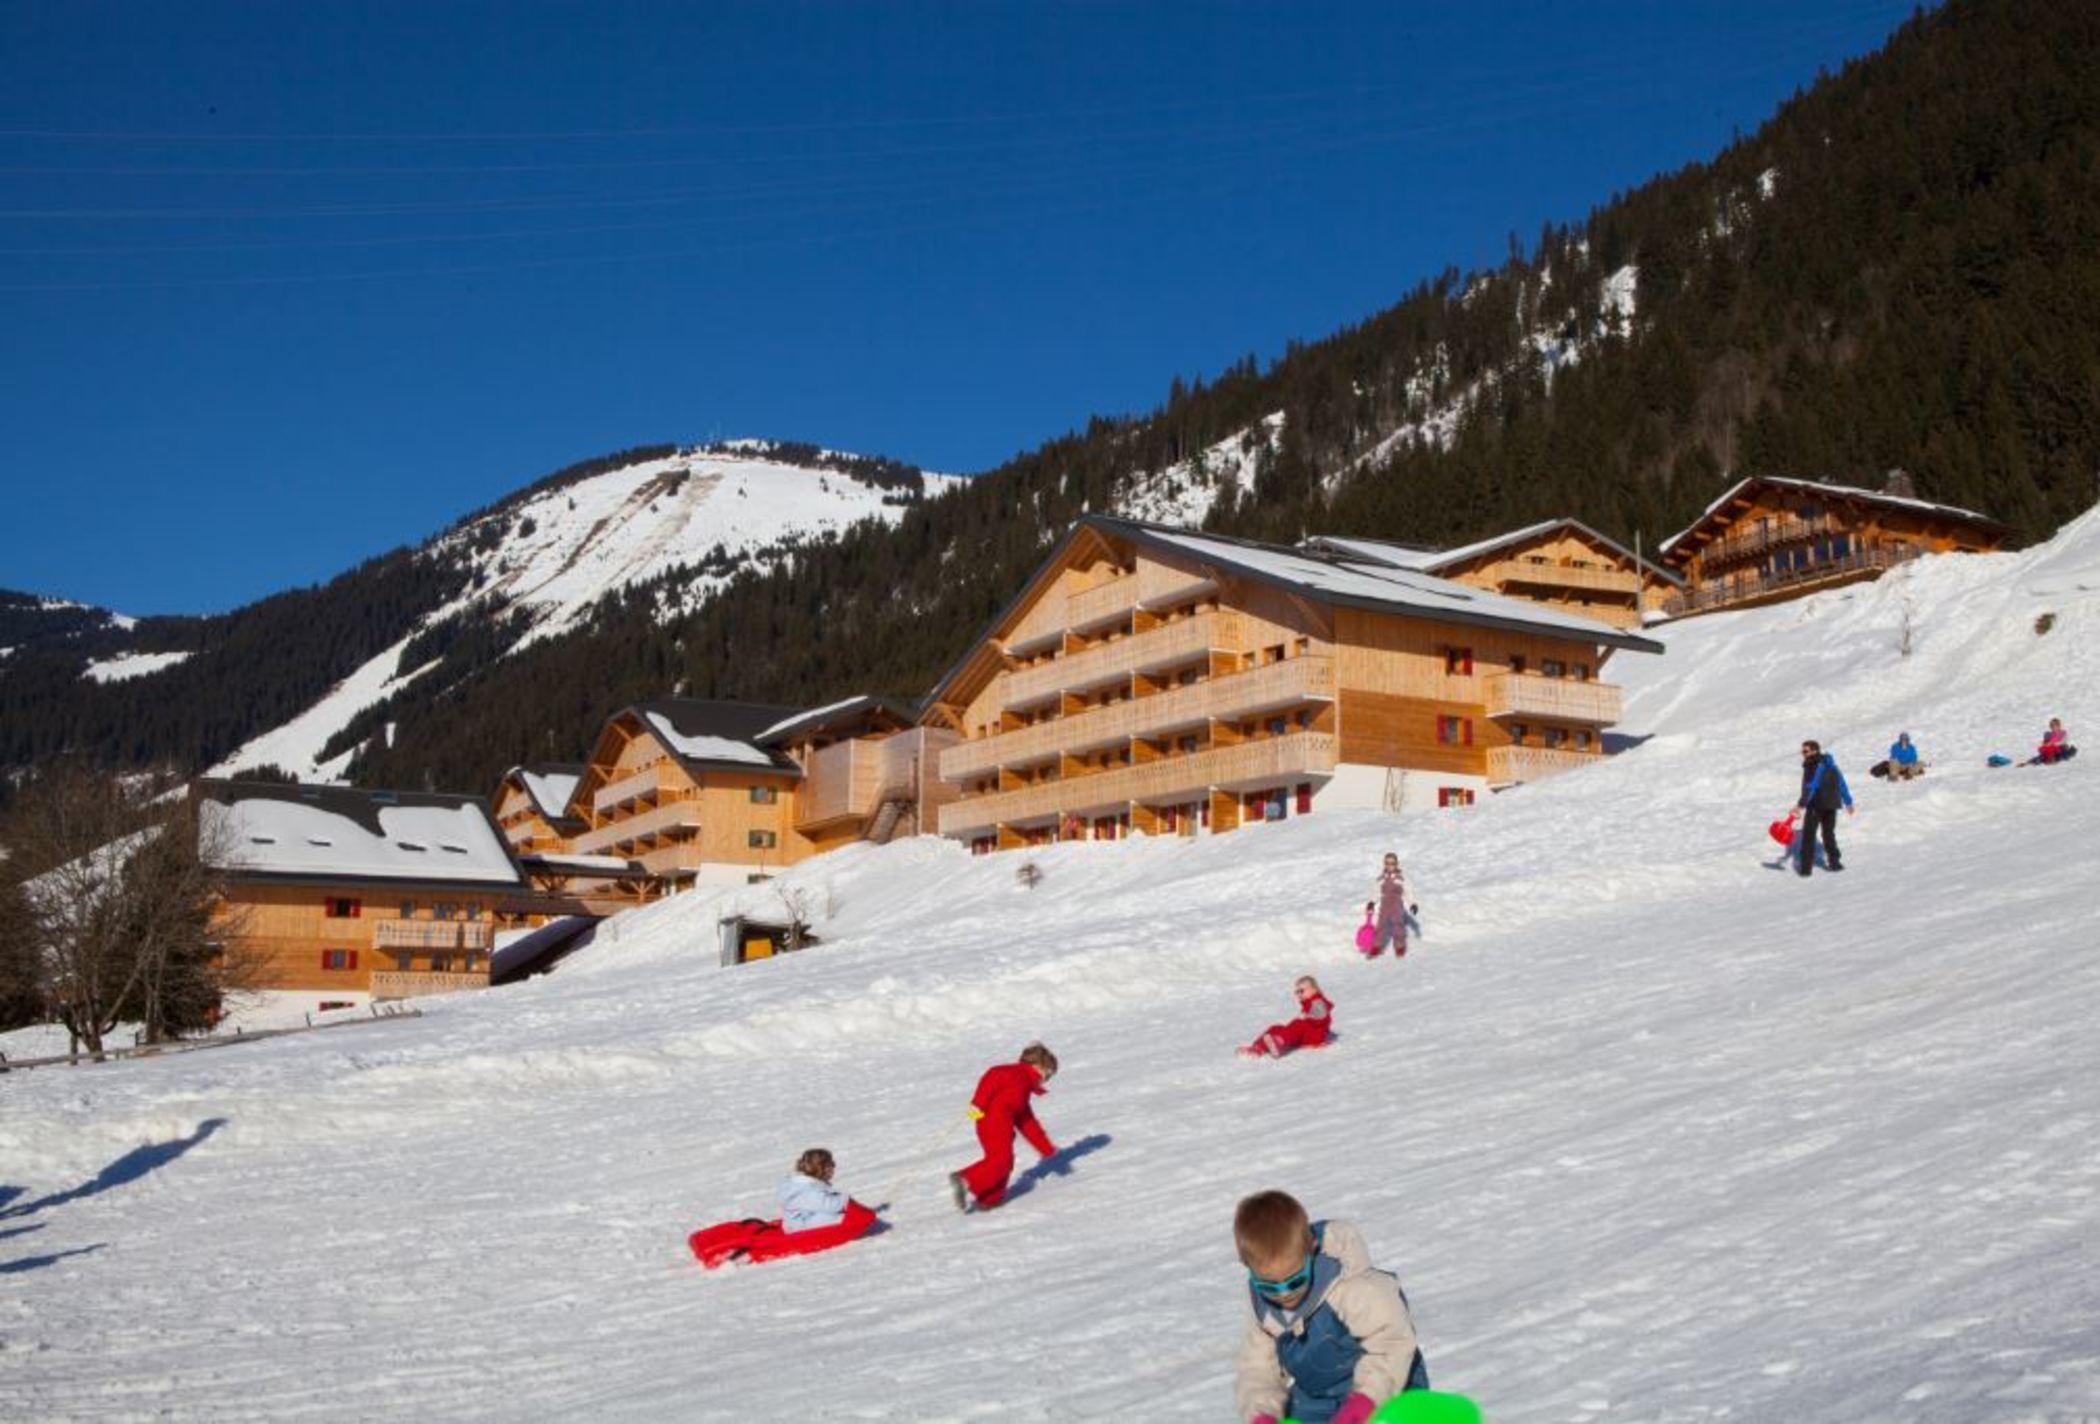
1823,790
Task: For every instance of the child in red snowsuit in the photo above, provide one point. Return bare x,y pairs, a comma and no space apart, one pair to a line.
1309,1030
1001,1106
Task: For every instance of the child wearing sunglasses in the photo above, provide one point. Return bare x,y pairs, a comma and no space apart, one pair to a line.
1310,1029
1331,1337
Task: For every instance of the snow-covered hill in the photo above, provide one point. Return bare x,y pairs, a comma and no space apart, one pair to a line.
1651,1129
552,554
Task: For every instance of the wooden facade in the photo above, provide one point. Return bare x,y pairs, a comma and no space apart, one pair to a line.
1153,680
1770,539
531,806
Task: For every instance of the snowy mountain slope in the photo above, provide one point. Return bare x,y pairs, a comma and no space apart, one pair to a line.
1651,1131
554,553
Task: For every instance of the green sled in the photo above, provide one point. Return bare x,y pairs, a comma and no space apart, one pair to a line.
1425,1406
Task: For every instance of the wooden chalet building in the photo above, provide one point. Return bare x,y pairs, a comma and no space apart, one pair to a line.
869,771
532,807
681,788
1768,539
1562,563
1158,679
385,893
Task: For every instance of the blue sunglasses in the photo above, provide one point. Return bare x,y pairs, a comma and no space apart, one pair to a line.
1291,1284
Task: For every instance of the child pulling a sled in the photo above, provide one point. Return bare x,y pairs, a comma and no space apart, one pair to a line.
1001,1107
1392,910
1311,1029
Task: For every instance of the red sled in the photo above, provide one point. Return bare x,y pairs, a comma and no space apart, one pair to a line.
756,1240
1783,831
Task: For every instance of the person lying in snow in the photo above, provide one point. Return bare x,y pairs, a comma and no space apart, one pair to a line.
813,1218
1000,1106
1331,1337
1310,1029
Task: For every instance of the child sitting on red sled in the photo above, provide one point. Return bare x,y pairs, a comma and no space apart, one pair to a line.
814,1217
1310,1029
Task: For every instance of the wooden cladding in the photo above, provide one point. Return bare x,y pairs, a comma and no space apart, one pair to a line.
1381,729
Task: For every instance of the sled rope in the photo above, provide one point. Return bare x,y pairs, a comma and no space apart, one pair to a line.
914,1162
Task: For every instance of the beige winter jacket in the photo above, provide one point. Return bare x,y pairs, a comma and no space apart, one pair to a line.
1367,1302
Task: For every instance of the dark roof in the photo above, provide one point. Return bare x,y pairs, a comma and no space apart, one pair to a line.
693,718
1434,561
1670,546
835,717
1326,578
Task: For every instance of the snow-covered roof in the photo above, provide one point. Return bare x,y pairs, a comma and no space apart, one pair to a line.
1377,551
1894,501
1382,589
715,733
1409,556
342,833
831,715
550,786
583,864
701,747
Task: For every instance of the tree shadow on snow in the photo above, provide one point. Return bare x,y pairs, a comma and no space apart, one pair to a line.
8,1194
129,1168
37,1263
1058,1163
21,1230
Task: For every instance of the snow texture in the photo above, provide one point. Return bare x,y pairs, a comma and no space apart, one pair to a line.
442,843
129,665
1185,493
1652,1131
550,790
701,747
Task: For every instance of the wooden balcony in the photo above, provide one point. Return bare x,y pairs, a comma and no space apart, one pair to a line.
1522,571
1284,684
1158,647
1750,586
1507,766
841,782
1768,534
1175,779
661,820
628,790
431,934
1560,699
414,983
1153,586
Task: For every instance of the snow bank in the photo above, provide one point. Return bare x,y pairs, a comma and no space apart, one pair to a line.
1652,1130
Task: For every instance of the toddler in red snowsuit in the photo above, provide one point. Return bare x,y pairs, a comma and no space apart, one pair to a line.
1001,1106
1309,1030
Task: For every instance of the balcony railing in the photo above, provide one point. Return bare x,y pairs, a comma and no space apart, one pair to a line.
1768,534
1509,765
628,789
1235,694
671,816
1745,586
1189,777
1529,694
1520,571
1153,586
842,780
1157,647
430,934
413,983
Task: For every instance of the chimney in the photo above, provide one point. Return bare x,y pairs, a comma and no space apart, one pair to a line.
1899,483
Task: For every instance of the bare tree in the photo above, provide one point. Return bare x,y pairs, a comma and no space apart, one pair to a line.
128,921
797,901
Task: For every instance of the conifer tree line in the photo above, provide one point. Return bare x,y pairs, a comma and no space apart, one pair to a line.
1899,269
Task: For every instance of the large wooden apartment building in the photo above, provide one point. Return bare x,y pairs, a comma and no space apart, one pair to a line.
1768,539
1562,563
385,893
1156,679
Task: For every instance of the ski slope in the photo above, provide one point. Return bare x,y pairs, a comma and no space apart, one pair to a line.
1651,1130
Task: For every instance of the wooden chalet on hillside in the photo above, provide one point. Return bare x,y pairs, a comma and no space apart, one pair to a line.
1157,679
386,893
1562,563
1768,539
532,806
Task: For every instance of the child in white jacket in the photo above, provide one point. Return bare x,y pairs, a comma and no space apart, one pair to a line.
807,1200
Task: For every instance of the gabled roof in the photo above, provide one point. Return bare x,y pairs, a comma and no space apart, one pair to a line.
836,716
278,831
1829,491
1437,561
1331,579
549,785
716,735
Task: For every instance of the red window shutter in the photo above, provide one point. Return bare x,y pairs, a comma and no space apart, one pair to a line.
353,960
1304,797
356,908
1466,723
324,959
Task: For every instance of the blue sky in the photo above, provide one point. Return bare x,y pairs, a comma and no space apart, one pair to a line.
287,286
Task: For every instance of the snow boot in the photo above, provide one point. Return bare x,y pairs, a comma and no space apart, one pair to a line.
960,1190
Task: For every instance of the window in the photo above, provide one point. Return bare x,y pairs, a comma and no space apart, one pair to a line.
1455,731
402,960
1582,739
1556,736
339,959
1517,732
1582,672
1304,798
761,840
341,909
1448,796
408,909
1278,726
1188,744
1554,667
1458,662
447,909
474,909
1304,646
764,795
1516,662
762,878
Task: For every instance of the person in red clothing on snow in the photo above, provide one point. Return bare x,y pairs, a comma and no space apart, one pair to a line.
1000,1106
1309,1030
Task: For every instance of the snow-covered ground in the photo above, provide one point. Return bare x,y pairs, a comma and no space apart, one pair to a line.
1651,1130
129,665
